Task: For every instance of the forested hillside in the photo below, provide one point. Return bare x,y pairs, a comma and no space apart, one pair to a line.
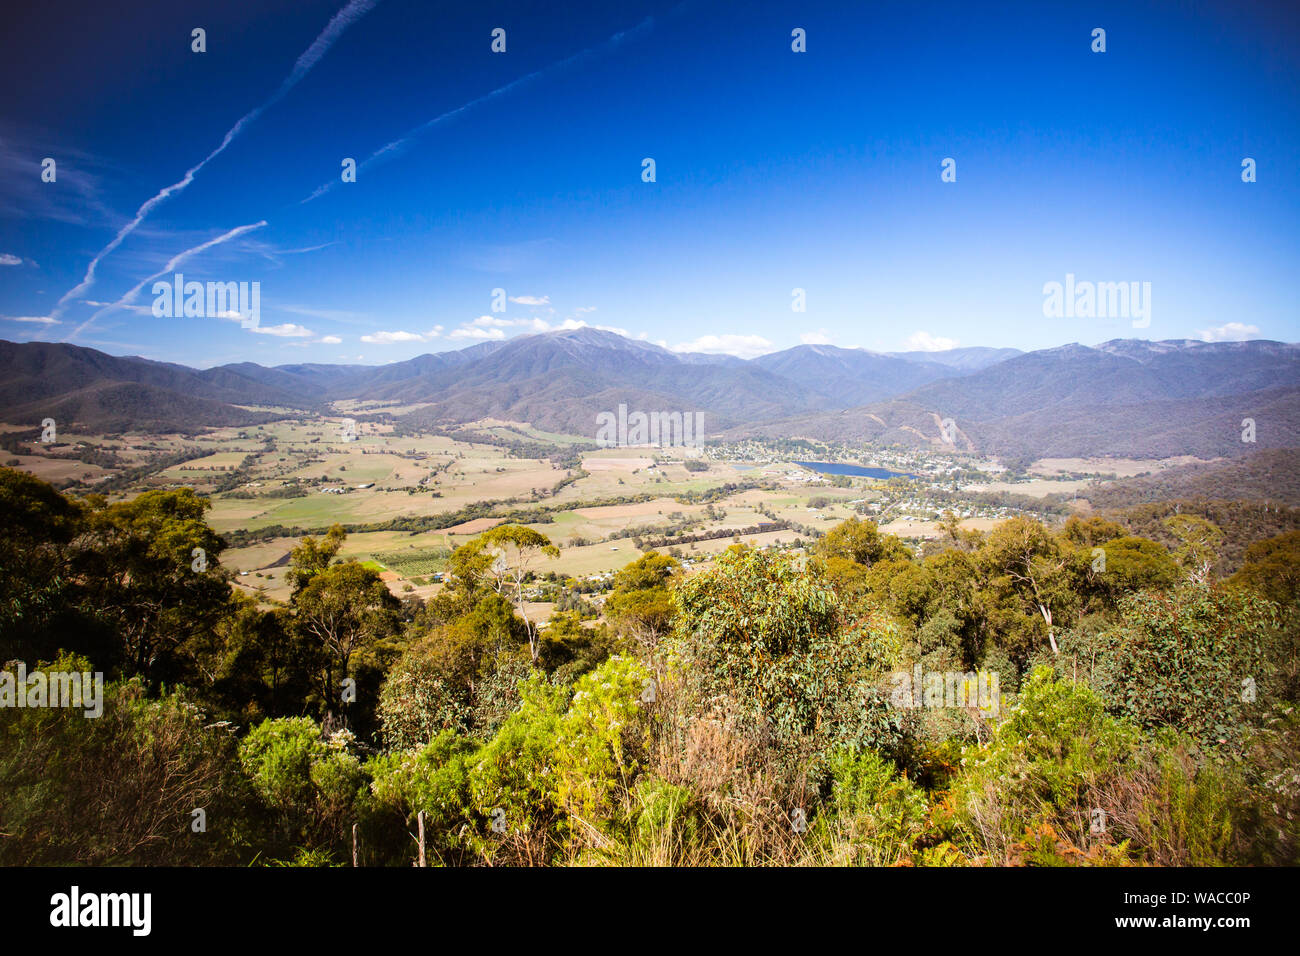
1099,692
1272,475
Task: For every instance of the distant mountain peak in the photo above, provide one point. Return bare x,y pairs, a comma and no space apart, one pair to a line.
592,337
1129,397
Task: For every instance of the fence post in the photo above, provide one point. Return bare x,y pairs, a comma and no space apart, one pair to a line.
355,847
421,819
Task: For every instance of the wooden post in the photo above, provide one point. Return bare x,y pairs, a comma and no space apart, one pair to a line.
355,847
421,819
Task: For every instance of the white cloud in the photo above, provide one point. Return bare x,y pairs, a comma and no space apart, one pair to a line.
531,299
286,331
476,332
925,342
569,324
1230,332
485,327
7,259
38,319
741,346
331,340
495,322
492,327
820,337
273,253
389,338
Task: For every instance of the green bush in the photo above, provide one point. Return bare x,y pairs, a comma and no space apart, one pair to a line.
601,742
121,788
759,638
315,787
1186,658
511,781
433,779
875,816
1040,774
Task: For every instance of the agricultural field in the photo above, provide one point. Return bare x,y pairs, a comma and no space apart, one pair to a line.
409,499
1119,467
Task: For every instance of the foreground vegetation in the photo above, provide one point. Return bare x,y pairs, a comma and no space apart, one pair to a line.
741,713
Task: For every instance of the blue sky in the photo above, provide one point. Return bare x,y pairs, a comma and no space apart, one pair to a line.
775,170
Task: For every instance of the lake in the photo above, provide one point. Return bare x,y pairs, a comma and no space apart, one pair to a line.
833,468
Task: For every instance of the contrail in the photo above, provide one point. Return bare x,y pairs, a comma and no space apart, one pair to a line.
349,15
172,263
394,148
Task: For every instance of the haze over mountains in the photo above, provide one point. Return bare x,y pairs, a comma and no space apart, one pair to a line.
1124,397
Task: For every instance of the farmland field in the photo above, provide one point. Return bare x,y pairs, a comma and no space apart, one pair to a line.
601,509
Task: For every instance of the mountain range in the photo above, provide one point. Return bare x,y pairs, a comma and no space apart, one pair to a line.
1124,397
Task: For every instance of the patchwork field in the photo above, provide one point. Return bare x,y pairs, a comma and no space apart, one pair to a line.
310,473
1119,467
1036,487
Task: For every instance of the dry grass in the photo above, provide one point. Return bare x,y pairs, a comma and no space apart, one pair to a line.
738,805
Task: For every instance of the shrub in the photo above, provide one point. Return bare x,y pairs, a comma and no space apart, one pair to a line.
315,787
416,702
1185,658
433,779
511,782
118,789
761,639
1042,769
601,743
875,816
